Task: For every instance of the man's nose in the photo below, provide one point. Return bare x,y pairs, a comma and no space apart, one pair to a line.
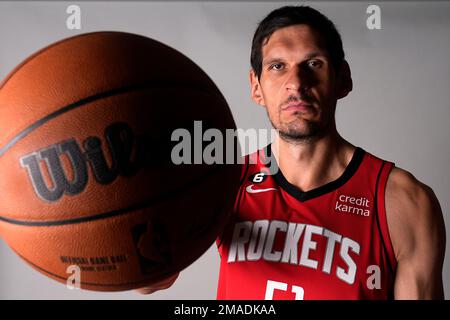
297,80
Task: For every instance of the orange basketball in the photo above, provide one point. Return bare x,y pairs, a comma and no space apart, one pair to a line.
86,174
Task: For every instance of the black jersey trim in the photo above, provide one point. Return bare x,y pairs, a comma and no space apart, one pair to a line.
302,196
376,208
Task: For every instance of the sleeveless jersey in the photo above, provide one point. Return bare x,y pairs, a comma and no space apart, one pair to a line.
331,242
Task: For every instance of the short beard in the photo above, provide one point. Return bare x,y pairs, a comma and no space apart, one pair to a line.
294,135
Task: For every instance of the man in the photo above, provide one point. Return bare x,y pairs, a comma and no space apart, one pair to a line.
333,222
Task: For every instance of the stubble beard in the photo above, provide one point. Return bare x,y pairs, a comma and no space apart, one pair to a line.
297,133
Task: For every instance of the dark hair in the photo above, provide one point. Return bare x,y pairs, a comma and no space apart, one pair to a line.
293,15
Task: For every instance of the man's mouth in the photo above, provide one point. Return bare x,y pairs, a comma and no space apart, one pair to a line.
298,106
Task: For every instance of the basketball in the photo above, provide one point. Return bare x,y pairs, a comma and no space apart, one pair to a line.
87,178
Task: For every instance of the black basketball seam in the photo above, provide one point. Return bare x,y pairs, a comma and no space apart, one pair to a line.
153,84
187,263
116,212
32,56
41,51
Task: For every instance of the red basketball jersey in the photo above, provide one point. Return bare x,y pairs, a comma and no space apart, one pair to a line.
331,242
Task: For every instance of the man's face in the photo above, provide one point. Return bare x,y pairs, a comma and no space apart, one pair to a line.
298,84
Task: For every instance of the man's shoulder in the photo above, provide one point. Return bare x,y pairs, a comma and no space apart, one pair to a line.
404,188
413,211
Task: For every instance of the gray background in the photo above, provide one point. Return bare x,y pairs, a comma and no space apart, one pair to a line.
399,108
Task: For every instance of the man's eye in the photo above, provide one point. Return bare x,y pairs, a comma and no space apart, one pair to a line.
276,66
315,63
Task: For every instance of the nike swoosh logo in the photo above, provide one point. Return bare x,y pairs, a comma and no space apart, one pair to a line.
250,190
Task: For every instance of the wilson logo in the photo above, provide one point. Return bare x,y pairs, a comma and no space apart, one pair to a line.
120,141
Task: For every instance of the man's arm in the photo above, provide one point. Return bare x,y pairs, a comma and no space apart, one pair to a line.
417,232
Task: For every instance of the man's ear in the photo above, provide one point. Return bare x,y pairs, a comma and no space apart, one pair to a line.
255,89
344,81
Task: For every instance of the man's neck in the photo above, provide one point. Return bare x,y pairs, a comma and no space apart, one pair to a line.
311,164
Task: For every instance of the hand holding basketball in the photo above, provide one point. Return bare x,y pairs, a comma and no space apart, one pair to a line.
87,177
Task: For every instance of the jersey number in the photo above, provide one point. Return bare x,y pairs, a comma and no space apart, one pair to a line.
259,177
271,286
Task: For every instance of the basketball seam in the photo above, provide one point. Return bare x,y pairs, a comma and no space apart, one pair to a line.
183,266
81,282
117,91
116,212
41,51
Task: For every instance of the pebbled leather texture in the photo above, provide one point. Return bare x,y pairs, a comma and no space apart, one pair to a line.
125,214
